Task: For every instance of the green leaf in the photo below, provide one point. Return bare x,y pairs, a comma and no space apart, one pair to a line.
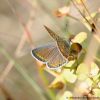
80,37
89,82
68,76
82,71
94,69
70,63
97,93
66,96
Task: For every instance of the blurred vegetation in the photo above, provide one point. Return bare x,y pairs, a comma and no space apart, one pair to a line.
21,29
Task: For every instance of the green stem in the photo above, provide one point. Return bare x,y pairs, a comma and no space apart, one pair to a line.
50,93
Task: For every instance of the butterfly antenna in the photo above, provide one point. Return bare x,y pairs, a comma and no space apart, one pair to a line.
53,34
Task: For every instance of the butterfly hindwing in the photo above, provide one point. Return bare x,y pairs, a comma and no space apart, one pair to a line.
57,60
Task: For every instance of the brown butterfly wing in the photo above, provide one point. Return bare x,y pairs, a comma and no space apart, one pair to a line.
57,60
50,55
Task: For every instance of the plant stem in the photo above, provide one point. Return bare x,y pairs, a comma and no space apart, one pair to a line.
44,78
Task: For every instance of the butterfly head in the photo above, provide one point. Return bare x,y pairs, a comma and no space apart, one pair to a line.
75,49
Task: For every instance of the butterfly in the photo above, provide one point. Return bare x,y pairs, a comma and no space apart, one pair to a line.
56,55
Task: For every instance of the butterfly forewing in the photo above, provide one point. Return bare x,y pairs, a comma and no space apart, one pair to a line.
50,55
